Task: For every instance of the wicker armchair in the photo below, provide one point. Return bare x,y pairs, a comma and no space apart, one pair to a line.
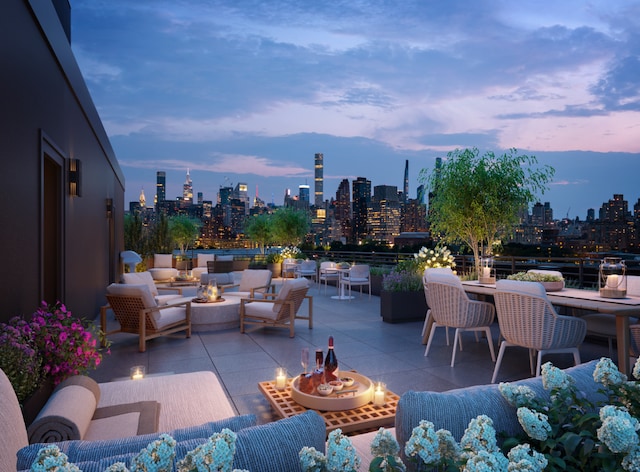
428,319
451,307
278,310
527,319
136,311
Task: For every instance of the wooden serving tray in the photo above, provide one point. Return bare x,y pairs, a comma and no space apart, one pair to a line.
336,401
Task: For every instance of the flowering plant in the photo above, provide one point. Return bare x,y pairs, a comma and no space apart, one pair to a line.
53,345
434,258
534,277
291,252
341,455
401,281
19,357
67,344
570,431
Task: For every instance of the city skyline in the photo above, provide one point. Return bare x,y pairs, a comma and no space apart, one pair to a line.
250,91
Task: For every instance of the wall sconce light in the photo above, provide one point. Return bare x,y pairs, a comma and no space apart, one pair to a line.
75,175
109,207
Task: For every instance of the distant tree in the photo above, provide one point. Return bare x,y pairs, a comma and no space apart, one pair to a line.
184,231
159,237
135,234
477,199
289,226
258,229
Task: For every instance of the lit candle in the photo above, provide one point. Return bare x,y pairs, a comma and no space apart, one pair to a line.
281,378
379,394
486,272
612,281
137,372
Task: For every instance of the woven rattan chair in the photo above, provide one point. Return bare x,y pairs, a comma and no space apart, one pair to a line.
451,307
278,310
428,319
528,319
137,313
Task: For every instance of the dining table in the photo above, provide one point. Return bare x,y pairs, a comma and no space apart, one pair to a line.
590,300
342,295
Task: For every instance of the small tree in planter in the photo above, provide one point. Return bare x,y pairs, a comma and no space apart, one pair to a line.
477,199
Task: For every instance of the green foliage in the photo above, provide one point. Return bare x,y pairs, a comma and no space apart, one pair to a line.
135,234
160,238
274,258
183,231
289,226
258,229
534,277
477,199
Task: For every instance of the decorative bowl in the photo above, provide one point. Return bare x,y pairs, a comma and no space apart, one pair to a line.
325,389
553,286
336,384
347,381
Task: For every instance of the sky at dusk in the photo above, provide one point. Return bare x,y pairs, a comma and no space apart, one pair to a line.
248,91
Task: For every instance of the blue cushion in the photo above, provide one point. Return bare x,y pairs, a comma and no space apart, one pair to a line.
115,450
453,409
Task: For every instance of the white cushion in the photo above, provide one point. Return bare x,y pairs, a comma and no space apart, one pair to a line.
528,288
204,258
263,310
141,278
252,278
169,316
286,288
633,285
438,270
443,276
163,273
162,260
164,299
133,290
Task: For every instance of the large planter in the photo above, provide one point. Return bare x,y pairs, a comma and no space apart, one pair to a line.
275,268
376,284
398,307
32,405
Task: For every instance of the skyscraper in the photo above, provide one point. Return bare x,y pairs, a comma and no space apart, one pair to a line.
161,186
405,197
187,189
303,195
343,209
361,191
319,168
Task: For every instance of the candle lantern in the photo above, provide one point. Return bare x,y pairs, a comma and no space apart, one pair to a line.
613,279
487,274
212,291
379,393
280,378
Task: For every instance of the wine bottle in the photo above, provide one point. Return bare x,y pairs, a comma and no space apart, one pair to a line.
331,361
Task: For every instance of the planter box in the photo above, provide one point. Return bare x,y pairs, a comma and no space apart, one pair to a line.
398,307
376,284
275,268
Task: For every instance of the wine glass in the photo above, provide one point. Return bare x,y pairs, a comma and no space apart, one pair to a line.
304,359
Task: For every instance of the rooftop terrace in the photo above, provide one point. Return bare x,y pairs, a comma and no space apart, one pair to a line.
392,353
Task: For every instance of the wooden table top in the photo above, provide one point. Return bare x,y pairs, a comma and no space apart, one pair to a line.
358,420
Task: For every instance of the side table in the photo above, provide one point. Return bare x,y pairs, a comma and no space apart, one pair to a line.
359,420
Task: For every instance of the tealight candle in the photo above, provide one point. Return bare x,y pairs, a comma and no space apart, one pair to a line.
379,394
137,372
281,378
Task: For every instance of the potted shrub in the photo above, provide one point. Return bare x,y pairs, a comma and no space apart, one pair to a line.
377,274
402,296
274,263
551,281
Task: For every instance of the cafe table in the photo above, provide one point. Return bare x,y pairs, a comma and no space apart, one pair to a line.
590,300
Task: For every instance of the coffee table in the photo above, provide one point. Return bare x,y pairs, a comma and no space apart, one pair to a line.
359,420
215,316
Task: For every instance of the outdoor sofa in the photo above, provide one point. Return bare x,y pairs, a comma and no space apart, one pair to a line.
198,407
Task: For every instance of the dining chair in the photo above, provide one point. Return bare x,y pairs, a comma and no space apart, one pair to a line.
528,319
358,276
289,267
451,307
328,272
428,319
307,270
137,312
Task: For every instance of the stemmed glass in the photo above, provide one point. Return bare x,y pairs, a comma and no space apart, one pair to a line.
304,359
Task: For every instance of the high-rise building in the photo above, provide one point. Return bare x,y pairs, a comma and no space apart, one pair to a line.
361,191
303,196
187,190
343,209
384,214
405,197
161,186
241,192
142,199
319,169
